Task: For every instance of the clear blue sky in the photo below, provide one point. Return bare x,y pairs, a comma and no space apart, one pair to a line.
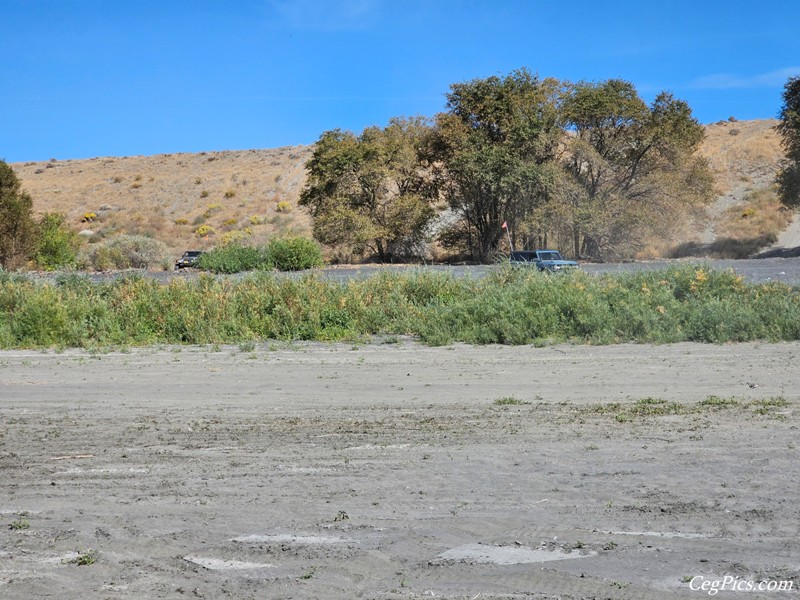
86,78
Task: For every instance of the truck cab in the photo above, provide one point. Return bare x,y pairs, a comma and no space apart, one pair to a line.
188,260
544,260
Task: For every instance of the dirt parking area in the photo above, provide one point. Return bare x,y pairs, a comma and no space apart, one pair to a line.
400,471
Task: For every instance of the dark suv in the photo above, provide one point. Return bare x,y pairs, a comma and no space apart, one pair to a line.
544,260
188,260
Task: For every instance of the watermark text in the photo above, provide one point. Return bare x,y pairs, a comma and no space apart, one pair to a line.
729,583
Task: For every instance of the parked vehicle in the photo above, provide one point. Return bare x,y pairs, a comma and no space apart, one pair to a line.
188,260
544,260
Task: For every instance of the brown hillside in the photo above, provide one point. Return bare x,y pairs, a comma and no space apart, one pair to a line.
168,196
743,153
255,192
747,215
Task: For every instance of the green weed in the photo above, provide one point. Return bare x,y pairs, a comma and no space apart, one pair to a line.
19,524
767,406
294,254
717,402
657,407
509,401
85,558
290,254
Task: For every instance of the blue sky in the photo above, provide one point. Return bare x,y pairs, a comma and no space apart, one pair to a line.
86,78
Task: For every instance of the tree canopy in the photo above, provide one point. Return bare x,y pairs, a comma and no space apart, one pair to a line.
369,193
56,245
48,241
789,128
589,165
17,226
495,149
632,169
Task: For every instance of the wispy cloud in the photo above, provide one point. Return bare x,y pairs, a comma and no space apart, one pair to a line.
325,15
725,81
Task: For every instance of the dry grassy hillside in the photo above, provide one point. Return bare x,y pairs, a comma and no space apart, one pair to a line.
747,216
170,196
742,153
255,192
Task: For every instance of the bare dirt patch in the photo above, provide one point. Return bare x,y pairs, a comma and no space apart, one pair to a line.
393,472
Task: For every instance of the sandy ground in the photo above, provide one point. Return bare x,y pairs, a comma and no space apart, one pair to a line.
398,471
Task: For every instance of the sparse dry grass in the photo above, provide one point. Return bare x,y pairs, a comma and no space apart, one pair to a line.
745,228
749,157
746,217
760,215
158,196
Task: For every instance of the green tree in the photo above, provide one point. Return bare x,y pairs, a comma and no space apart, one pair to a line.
495,149
56,245
632,169
369,193
17,226
789,128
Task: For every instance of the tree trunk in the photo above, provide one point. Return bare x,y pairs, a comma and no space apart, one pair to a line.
591,248
381,251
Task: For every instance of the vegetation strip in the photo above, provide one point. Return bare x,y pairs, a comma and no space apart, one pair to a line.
658,407
510,306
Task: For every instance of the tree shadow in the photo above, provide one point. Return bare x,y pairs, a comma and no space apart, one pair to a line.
726,248
780,253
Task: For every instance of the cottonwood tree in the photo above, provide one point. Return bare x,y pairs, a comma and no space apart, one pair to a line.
370,193
632,169
17,227
587,162
494,153
789,128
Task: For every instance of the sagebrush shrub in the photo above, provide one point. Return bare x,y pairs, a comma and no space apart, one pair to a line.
124,252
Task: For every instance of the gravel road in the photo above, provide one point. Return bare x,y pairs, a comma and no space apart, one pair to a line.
786,270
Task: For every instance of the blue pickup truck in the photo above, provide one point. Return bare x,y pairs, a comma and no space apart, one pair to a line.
544,260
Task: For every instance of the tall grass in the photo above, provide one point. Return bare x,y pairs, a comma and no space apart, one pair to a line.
510,306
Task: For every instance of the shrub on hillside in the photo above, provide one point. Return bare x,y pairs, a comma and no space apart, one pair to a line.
294,254
288,254
124,252
234,258
56,244
204,231
237,236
